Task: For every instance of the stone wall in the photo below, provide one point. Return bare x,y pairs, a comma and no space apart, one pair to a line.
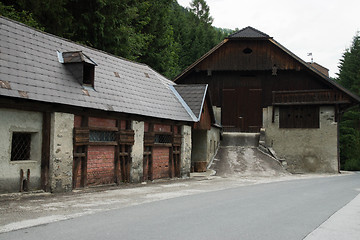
137,152
308,149
19,121
185,151
61,152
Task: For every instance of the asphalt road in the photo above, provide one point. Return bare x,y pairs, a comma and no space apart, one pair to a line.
280,210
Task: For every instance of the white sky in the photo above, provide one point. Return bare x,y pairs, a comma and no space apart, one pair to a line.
324,28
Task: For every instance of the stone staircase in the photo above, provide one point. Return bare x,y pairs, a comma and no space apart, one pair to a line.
241,155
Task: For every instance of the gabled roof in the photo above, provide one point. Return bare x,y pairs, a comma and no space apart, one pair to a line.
317,72
254,34
194,96
30,68
249,32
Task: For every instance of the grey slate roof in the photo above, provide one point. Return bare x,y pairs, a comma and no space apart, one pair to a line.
29,63
249,32
194,96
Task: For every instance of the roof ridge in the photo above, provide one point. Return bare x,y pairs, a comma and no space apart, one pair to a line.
247,35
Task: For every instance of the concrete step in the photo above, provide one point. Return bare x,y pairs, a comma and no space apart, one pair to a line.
240,139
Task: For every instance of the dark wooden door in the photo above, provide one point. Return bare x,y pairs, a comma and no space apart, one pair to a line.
229,113
241,109
254,110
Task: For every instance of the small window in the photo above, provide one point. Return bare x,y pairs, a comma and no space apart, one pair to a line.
163,138
102,136
20,146
299,117
88,74
247,50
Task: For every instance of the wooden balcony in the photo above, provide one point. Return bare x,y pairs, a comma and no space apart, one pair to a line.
307,97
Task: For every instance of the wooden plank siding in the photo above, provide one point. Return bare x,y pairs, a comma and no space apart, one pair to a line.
243,83
284,81
205,118
264,55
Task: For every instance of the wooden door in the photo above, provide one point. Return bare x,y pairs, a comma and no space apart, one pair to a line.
254,110
229,114
241,109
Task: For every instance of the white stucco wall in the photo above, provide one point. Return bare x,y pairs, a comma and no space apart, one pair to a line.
61,152
137,153
185,151
305,150
213,141
205,144
217,114
19,121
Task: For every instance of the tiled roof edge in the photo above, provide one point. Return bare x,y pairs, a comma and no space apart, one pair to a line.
203,101
184,104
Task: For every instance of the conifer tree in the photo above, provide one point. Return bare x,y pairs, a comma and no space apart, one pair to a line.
349,77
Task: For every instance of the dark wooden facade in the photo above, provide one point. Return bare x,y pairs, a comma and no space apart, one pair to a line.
205,119
244,73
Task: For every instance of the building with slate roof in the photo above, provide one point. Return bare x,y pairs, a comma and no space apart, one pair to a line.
258,85
206,131
73,116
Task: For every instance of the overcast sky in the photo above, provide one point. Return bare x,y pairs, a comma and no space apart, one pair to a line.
324,28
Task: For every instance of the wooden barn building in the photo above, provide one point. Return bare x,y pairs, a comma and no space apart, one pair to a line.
256,83
72,116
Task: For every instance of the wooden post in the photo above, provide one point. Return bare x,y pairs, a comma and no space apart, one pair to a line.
84,123
45,151
117,154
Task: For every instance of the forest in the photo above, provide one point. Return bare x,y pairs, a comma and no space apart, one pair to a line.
167,37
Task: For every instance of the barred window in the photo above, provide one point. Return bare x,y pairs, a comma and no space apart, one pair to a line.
102,136
163,138
20,146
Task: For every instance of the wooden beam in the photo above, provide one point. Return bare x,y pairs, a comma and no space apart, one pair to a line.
84,123
45,151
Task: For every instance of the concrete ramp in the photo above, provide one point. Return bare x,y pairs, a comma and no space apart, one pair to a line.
238,155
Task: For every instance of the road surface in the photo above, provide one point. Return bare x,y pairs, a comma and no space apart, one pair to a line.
279,210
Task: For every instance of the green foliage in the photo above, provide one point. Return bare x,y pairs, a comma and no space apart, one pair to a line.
350,140
349,77
20,16
349,68
193,33
201,11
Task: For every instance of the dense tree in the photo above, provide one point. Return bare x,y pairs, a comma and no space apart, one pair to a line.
349,68
21,16
201,11
349,77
